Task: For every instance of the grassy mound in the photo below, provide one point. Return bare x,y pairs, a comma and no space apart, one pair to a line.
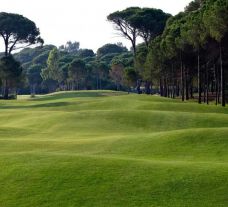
103,148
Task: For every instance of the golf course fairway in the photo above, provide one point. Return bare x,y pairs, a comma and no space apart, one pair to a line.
106,149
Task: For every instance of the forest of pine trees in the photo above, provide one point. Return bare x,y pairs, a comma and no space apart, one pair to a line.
182,56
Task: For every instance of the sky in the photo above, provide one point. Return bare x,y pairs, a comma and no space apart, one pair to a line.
84,21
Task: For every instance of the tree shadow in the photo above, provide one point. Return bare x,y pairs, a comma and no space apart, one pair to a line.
69,95
44,105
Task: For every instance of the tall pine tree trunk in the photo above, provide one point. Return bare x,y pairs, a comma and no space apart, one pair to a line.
165,88
223,101
182,78
191,90
173,82
204,88
6,90
186,84
199,79
207,85
161,87
97,82
178,89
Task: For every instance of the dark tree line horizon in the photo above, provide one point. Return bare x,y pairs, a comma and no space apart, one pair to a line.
182,56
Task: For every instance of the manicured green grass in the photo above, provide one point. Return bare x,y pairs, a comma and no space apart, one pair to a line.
103,148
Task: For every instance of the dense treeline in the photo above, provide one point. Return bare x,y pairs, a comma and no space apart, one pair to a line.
188,57
191,54
180,56
48,68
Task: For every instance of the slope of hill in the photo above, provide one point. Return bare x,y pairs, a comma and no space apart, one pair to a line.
103,148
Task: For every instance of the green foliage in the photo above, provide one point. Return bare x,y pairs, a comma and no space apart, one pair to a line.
117,74
37,55
187,50
150,23
61,77
77,65
10,74
110,49
194,31
130,76
66,58
141,55
85,53
76,72
89,59
124,15
41,59
194,5
16,29
33,74
123,23
216,17
52,71
9,68
52,75
172,41
154,64
108,58
70,47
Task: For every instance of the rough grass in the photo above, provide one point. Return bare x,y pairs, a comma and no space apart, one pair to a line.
102,148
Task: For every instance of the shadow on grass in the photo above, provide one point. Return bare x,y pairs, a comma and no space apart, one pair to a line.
76,94
45,105
57,97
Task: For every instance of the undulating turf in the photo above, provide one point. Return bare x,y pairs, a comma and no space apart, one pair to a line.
103,148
